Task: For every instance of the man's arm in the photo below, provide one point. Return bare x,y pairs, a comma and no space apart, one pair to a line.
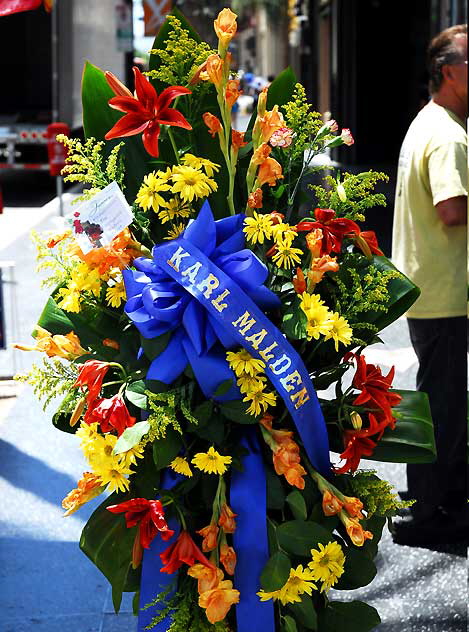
453,212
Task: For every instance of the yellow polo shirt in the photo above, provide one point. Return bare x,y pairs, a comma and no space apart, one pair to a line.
432,168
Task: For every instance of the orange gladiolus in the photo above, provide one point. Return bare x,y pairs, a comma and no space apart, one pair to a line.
331,505
59,346
320,266
353,507
214,69
355,531
237,140
119,253
255,199
314,242
207,578
56,239
269,172
219,600
109,342
261,154
270,123
287,462
225,27
227,519
228,558
210,537
88,487
232,92
213,123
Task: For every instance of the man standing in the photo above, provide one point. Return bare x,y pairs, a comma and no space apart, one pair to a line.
430,247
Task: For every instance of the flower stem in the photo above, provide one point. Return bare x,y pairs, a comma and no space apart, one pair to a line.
173,144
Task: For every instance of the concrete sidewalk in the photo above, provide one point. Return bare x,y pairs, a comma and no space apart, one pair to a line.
47,584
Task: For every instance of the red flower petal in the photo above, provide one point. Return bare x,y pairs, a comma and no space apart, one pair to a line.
126,104
173,117
150,139
169,94
128,125
145,92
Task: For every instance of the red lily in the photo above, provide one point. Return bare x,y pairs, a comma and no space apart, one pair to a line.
334,229
91,375
374,387
183,551
356,446
111,414
148,514
368,243
146,112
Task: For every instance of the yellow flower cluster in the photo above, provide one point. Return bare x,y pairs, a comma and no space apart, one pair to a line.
82,279
326,566
322,322
171,193
251,381
112,469
261,227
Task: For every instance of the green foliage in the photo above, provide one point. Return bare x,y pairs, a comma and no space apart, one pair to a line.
299,117
164,409
358,189
53,379
87,164
377,495
55,263
352,616
276,572
180,57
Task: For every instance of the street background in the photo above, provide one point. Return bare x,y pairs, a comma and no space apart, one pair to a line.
47,584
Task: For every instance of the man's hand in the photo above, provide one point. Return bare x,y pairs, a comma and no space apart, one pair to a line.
453,212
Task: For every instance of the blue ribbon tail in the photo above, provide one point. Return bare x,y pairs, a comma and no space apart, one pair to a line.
248,498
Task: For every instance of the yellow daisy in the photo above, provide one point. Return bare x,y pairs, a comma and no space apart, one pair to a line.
259,400
258,228
129,457
327,564
243,363
191,183
211,462
286,256
340,331
319,317
87,433
181,466
115,294
198,163
248,383
176,208
70,299
283,233
299,582
114,477
176,230
149,194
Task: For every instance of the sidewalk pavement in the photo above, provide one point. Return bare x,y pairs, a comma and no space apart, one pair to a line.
47,584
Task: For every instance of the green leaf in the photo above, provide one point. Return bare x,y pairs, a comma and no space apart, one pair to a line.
275,493
108,543
152,348
165,450
305,613
295,321
412,440
297,505
298,537
62,422
275,572
131,437
203,412
402,294
281,89
223,388
359,571
354,616
289,624
279,191
135,393
236,411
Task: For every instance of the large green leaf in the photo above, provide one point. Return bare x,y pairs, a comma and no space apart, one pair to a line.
297,505
276,572
402,294
166,449
411,441
305,613
108,543
359,570
353,616
298,537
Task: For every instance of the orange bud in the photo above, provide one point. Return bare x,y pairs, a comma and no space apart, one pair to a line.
331,505
320,265
237,140
116,85
213,123
232,92
299,283
108,342
77,411
137,551
225,27
227,519
228,558
210,537
255,199
355,531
